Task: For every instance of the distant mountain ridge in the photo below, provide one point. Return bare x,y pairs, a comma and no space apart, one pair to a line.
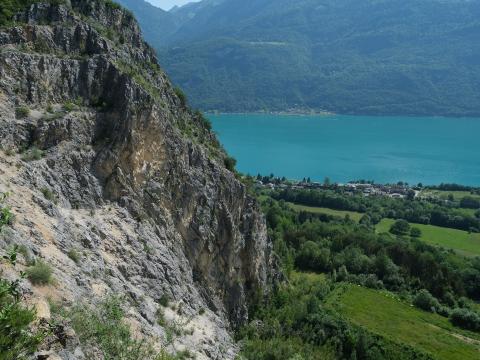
406,57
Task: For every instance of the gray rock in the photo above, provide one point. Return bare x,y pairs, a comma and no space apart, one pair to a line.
142,192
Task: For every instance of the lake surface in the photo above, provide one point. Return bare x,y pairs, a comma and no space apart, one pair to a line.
345,148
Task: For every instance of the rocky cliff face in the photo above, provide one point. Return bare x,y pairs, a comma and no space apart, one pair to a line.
102,156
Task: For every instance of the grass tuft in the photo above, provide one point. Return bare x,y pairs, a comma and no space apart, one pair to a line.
40,273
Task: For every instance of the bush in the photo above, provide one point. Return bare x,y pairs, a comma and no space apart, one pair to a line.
112,5
17,340
206,123
102,327
6,216
312,257
465,319
22,112
400,227
32,154
74,255
160,315
25,252
9,152
425,301
69,106
40,273
164,300
181,96
48,194
230,163
415,232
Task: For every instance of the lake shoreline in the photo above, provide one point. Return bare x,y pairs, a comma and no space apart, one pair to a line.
326,114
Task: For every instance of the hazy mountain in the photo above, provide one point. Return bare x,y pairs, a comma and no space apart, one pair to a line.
347,56
157,24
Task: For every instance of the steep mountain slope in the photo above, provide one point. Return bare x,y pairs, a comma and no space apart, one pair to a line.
347,56
158,24
102,158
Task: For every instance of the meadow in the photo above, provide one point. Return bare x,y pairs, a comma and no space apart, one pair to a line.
387,316
442,194
356,216
464,243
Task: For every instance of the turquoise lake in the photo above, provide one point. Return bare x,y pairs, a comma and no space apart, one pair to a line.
345,148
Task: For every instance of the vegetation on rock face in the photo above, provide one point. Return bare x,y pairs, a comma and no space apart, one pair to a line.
74,255
6,216
17,338
32,154
40,273
230,163
8,8
22,112
181,95
103,328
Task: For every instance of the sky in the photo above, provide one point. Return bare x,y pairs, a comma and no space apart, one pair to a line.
168,4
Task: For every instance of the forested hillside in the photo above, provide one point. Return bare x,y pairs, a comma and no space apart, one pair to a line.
345,56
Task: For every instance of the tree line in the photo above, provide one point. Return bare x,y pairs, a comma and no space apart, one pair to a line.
379,207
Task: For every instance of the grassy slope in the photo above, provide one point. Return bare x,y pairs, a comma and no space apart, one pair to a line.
381,313
461,241
319,210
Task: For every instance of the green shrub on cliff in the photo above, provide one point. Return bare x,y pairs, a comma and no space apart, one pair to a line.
104,329
230,163
181,95
40,273
8,8
22,112
17,339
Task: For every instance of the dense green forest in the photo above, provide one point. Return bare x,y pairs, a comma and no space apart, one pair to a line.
347,56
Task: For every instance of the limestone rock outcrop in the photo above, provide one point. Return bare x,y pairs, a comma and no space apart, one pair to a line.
101,155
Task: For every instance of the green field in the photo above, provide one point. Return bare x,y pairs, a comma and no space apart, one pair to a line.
461,241
457,195
383,314
307,277
356,216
